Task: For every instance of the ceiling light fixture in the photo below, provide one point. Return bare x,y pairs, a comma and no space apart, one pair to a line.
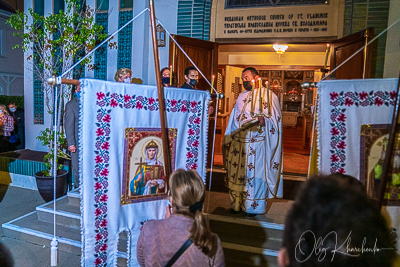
280,49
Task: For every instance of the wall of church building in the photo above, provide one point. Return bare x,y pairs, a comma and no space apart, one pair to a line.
11,60
272,58
268,21
360,15
392,55
135,52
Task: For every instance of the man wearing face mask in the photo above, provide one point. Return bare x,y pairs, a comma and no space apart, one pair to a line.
71,122
123,75
254,159
191,78
166,77
19,125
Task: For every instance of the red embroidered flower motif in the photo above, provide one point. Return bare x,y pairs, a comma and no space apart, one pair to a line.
341,145
378,102
348,102
151,100
97,212
99,132
103,198
104,172
113,103
334,95
197,120
193,104
127,98
194,166
139,105
342,171
97,186
173,102
98,159
363,95
334,158
184,109
103,223
392,95
196,143
189,155
98,237
106,145
100,95
334,131
97,261
342,117
190,132
103,247
107,118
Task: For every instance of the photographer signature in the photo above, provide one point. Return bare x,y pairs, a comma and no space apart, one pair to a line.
320,249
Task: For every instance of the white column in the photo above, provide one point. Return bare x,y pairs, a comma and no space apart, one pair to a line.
90,73
141,42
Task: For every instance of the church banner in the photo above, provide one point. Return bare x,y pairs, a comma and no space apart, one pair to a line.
122,164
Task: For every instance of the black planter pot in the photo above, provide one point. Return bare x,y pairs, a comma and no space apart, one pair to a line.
45,185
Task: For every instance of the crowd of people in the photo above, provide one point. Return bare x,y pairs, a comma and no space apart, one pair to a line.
12,128
331,223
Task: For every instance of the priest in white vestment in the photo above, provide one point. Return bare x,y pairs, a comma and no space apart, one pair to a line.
253,153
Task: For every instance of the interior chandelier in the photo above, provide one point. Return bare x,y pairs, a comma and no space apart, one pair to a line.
280,49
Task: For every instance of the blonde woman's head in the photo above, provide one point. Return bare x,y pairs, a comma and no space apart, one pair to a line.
187,188
123,75
3,109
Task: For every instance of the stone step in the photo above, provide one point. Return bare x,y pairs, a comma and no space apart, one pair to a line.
67,212
243,232
245,256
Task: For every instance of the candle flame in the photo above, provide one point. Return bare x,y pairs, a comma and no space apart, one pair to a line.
213,76
252,81
266,82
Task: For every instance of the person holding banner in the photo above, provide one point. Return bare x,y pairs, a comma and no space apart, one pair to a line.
252,147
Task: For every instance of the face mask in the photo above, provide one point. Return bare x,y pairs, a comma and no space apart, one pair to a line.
166,80
78,95
12,109
193,82
247,85
127,80
1,111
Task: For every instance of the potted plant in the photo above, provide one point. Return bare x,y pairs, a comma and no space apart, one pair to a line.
44,178
55,42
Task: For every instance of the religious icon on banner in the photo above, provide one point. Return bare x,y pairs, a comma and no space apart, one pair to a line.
373,145
144,173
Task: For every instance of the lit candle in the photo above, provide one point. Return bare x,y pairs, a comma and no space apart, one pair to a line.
269,104
252,94
212,83
170,75
328,47
260,92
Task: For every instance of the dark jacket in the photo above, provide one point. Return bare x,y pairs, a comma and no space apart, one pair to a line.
71,121
187,86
